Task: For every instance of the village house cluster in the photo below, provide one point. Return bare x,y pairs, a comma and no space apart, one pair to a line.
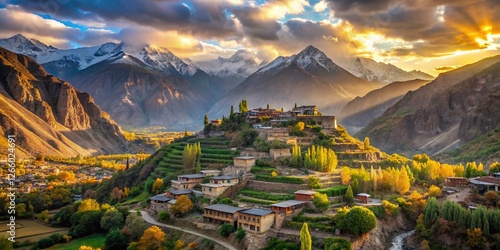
253,219
35,176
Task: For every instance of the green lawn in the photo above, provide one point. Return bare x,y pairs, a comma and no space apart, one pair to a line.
95,240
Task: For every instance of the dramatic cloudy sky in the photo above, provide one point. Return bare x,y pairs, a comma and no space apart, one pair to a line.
431,35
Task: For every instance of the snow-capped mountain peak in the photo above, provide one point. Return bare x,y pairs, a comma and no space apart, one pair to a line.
23,45
164,60
241,64
307,58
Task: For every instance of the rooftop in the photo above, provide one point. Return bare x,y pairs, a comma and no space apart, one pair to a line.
256,211
212,185
210,171
246,157
308,192
224,208
224,177
180,192
191,176
363,194
486,180
160,197
288,203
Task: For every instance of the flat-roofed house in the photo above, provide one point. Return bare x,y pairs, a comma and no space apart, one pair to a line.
363,198
221,214
225,179
256,219
485,183
304,195
288,207
160,202
213,190
187,181
246,162
456,182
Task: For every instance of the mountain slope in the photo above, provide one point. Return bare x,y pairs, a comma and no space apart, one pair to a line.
360,111
136,95
309,77
48,116
442,115
378,72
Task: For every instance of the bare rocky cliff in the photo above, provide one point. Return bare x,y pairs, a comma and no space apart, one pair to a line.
49,115
444,114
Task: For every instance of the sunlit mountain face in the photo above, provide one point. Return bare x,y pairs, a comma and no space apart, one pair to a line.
430,36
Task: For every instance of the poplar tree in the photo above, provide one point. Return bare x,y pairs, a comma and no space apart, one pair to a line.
205,121
349,196
305,238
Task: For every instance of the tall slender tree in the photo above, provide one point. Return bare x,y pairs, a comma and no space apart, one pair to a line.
305,238
205,121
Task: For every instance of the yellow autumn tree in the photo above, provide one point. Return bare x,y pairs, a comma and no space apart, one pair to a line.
403,183
182,205
157,185
153,238
89,205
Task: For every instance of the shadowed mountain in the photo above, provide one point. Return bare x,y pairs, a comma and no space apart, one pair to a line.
448,112
360,111
48,116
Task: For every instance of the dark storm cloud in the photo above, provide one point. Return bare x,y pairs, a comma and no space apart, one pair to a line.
204,18
255,24
444,25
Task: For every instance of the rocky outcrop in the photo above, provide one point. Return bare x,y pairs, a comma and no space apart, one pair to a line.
49,115
380,237
444,114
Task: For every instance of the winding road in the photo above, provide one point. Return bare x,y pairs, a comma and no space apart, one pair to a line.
148,218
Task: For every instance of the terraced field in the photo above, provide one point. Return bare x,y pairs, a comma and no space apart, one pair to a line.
215,154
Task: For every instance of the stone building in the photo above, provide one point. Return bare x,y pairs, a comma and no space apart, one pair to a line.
221,214
256,219
246,162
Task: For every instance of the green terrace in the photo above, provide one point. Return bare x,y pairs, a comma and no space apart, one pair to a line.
248,195
215,153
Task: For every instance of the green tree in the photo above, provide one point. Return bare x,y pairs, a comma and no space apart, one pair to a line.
112,219
268,106
296,156
226,229
231,113
135,225
205,120
355,186
115,240
321,202
349,196
360,220
305,238
5,244
336,244
431,211
313,182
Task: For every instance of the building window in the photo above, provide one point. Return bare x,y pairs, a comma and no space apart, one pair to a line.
228,181
258,229
258,220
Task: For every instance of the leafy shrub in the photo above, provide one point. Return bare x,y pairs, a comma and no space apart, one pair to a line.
336,244
389,208
164,216
240,234
225,230
45,243
281,179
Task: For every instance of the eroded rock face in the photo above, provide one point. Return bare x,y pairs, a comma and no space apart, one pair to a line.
65,114
446,113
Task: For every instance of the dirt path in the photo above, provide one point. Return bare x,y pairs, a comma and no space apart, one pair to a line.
148,218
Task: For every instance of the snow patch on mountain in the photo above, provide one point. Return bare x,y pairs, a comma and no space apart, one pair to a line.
164,60
241,64
309,57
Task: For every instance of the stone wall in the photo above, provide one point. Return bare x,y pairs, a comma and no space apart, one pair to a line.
273,186
280,153
325,121
256,154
